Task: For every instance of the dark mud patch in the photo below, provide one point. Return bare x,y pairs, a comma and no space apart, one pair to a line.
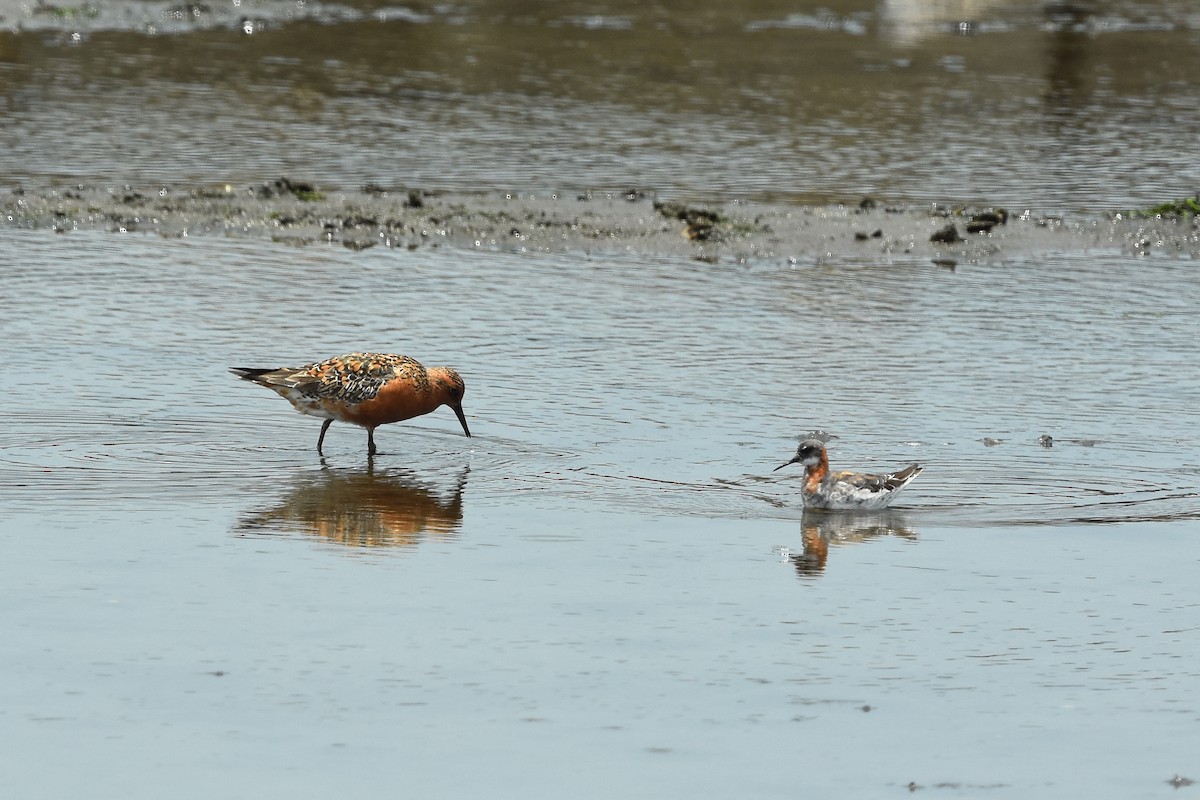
299,212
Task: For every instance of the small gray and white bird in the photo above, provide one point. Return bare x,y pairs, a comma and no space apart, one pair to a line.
845,490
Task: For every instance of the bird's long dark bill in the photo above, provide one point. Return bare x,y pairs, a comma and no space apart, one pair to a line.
463,419
788,464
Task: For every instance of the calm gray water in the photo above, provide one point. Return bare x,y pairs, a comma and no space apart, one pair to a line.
606,591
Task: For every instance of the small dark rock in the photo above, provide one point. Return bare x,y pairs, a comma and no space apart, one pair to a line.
1046,440
688,214
946,235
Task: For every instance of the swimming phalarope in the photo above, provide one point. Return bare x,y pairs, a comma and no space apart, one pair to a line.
368,389
845,490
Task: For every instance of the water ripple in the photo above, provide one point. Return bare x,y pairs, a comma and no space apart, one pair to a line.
653,385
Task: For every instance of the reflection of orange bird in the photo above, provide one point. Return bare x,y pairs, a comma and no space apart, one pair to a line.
367,389
364,509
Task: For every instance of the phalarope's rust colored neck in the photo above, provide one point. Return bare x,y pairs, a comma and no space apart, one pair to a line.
845,490
367,389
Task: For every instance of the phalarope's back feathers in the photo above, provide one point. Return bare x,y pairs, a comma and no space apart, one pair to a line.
845,490
367,389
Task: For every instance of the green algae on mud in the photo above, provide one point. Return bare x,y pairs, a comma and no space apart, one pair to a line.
1185,207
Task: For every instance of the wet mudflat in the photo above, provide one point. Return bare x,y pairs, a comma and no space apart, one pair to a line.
606,591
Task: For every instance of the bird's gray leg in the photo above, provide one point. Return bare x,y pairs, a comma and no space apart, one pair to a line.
370,441
321,439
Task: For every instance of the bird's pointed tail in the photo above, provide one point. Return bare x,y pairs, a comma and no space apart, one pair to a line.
249,373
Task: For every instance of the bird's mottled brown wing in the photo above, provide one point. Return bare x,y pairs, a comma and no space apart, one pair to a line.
358,377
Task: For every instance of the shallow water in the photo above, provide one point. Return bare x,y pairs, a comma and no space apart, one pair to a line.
608,581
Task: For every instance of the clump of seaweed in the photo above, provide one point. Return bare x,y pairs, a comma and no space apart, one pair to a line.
1187,207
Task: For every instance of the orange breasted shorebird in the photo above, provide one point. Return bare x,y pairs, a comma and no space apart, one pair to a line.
845,490
368,389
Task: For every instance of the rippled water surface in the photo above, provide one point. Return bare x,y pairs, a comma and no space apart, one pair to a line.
1084,105
607,590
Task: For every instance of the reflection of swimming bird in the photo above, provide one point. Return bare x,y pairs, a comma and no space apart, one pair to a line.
821,530
845,490
368,389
